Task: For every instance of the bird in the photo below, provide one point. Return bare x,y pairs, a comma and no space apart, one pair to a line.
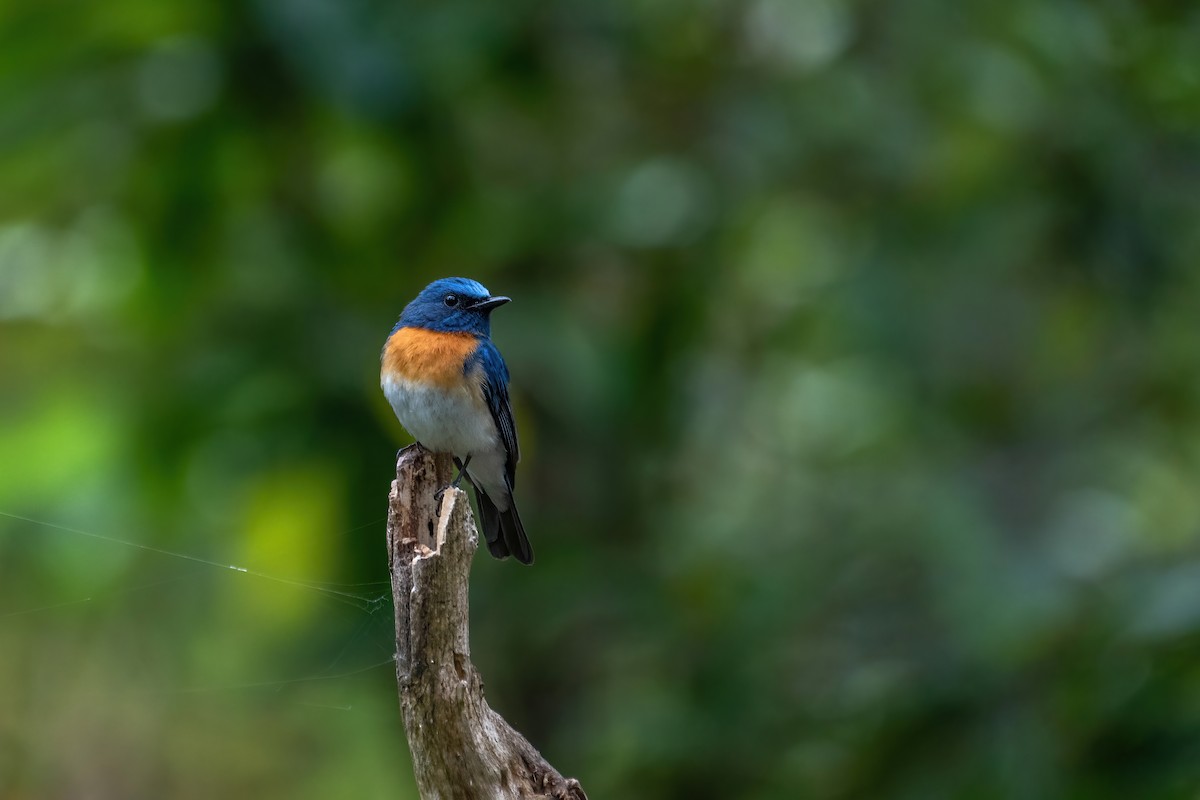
448,385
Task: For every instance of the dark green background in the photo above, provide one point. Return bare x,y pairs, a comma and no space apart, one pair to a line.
854,351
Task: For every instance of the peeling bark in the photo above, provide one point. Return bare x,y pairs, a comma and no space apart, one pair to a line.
461,748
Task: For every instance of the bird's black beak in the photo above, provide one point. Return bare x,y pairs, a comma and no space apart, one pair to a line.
488,303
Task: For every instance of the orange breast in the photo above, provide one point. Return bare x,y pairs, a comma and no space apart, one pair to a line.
431,357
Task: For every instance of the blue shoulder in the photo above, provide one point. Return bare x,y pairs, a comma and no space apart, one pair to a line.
488,357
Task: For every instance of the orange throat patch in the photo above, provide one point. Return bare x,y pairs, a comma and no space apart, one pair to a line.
429,357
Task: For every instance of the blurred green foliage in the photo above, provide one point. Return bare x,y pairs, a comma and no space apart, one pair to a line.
854,353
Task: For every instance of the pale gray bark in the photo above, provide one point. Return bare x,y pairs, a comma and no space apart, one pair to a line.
461,748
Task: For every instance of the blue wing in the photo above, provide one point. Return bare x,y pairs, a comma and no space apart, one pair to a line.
495,392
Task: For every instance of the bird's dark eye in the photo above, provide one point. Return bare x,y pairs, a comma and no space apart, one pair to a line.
451,300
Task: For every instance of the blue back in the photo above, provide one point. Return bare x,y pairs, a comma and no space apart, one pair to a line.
495,394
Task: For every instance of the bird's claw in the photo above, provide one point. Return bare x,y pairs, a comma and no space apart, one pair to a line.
462,469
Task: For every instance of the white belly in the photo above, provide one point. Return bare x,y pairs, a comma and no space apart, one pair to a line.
454,421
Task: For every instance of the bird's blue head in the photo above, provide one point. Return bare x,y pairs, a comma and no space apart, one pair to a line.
453,305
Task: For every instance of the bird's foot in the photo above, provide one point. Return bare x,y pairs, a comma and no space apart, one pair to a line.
462,470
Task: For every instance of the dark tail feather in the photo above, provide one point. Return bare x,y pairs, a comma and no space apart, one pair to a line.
503,530
514,534
490,517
